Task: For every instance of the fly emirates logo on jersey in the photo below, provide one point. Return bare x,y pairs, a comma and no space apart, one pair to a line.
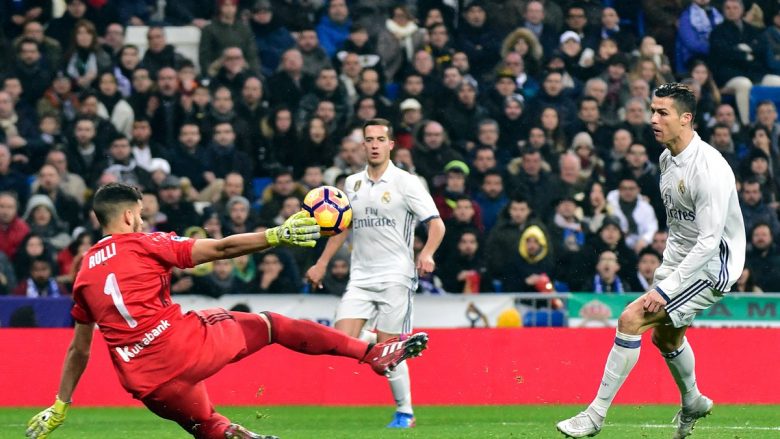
372,219
129,352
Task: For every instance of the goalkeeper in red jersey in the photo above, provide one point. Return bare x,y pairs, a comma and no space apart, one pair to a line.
161,355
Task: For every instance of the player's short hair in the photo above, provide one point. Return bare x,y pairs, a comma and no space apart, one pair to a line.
682,95
380,122
111,199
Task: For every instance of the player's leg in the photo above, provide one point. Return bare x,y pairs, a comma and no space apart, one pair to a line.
189,405
674,346
312,338
633,322
394,319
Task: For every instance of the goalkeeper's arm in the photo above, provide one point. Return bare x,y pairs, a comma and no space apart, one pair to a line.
42,424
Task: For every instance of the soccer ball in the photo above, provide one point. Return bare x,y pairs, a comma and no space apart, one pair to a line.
330,207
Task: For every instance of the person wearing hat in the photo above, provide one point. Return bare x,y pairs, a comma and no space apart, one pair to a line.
271,36
224,31
411,118
456,173
504,86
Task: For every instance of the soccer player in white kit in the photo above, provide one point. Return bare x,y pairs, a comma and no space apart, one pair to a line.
704,256
386,204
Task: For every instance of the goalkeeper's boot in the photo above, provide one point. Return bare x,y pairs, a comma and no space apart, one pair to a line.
584,424
385,356
235,431
402,420
686,418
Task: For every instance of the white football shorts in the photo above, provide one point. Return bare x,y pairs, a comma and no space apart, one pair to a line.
693,298
387,305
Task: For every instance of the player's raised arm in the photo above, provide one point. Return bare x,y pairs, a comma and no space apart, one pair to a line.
316,272
298,230
75,362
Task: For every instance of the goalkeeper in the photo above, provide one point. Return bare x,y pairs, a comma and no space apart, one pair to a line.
162,356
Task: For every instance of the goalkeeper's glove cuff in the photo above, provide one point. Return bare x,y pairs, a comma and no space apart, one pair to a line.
61,406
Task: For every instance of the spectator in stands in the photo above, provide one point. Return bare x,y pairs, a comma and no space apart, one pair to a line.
224,31
41,282
71,184
112,105
114,39
230,70
252,106
491,198
316,147
238,219
222,110
15,128
763,258
60,29
642,280
456,172
637,218
223,156
463,270
439,45
13,229
370,85
432,151
595,208
189,159
273,197
85,58
511,124
721,140
144,150
553,95
532,181
121,163
33,71
233,186
766,116
609,237
591,165
349,160
639,167
534,20
606,279
739,63
770,40
189,12
180,213
484,160
11,179
151,212
69,258
49,184
159,53
272,275
725,114
314,56
480,42
128,59
166,112
326,87
503,242
336,277
755,210
218,282
759,170
464,216
44,221
51,50
245,271
659,241
693,35
589,120
289,84
462,117
333,27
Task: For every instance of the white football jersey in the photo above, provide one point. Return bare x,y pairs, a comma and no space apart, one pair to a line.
384,215
706,230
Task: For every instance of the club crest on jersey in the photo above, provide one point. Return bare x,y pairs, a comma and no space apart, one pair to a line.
357,186
681,187
386,198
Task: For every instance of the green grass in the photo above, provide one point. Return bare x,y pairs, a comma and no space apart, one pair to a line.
451,422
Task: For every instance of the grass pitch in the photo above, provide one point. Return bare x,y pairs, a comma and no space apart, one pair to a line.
450,422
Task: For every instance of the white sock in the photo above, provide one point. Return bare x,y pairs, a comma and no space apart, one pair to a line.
682,364
401,386
621,359
367,336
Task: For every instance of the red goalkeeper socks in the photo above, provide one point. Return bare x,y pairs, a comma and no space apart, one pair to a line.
313,338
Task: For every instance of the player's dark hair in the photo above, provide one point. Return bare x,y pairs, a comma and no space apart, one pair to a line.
380,122
111,199
683,97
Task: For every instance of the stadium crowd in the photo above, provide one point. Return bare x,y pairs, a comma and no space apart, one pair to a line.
528,120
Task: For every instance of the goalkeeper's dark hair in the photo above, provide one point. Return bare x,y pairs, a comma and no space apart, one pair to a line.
112,199
380,122
681,94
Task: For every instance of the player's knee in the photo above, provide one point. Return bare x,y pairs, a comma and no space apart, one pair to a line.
630,321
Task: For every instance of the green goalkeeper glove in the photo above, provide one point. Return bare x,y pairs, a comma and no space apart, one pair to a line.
42,424
299,230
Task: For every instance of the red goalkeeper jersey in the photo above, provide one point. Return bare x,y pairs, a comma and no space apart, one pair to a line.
123,285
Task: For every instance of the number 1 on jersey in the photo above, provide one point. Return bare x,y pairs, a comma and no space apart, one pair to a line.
112,289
